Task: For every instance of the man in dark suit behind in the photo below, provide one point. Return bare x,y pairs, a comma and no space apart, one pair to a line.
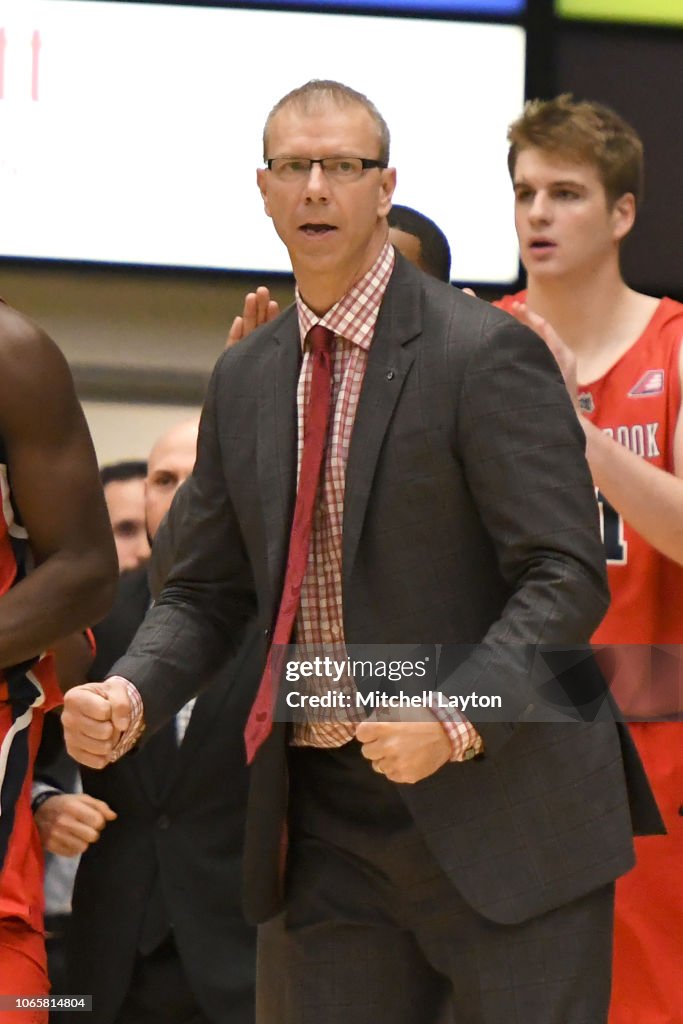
157,932
445,861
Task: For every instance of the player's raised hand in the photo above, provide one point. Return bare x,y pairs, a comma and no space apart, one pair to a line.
259,309
94,718
566,360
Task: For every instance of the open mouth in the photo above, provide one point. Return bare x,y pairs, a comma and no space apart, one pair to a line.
542,245
313,230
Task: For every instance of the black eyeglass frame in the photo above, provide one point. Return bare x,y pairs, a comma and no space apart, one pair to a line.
367,165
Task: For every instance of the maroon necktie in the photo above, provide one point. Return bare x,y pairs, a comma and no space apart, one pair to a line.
316,420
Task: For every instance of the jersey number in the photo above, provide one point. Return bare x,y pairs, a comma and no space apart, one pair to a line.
612,529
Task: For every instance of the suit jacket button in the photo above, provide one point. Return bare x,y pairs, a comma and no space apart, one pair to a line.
163,821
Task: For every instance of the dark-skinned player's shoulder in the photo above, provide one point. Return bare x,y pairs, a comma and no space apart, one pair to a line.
29,359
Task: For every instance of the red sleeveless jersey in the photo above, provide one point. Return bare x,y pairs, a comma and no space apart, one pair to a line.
637,402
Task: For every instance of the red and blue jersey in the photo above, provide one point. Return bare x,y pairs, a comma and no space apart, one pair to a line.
26,692
637,402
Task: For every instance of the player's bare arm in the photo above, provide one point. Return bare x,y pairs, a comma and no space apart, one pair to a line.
73,657
57,493
649,498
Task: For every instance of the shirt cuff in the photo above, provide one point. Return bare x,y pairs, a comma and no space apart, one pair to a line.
466,742
136,726
40,792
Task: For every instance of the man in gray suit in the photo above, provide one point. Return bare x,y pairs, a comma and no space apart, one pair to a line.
444,861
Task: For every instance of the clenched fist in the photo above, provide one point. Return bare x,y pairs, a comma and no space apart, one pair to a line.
95,717
69,822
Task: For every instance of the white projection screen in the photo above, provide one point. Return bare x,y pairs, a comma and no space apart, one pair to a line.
130,133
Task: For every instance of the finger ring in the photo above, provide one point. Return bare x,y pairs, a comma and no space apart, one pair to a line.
377,767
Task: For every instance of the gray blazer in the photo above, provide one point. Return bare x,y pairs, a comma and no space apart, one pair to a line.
469,518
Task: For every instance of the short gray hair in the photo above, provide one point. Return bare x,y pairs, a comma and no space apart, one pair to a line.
319,92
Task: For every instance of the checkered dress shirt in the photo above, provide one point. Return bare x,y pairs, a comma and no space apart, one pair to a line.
320,621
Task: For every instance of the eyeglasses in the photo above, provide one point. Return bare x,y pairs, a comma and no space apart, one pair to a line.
337,168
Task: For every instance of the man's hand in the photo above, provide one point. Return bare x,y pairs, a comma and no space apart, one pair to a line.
566,360
405,750
259,309
69,822
94,718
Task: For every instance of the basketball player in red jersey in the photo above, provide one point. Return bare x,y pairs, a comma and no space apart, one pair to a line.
577,174
57,574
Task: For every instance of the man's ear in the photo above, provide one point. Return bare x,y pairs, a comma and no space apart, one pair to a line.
387,189
623,215
262,182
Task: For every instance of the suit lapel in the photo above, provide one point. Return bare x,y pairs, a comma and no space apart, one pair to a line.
389,360
158,761
277,442
203,716
207,710
160,773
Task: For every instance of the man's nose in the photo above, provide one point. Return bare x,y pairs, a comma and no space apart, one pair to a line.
540,209
142,546
317,185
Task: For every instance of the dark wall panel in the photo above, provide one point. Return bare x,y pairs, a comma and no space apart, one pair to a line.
638,73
